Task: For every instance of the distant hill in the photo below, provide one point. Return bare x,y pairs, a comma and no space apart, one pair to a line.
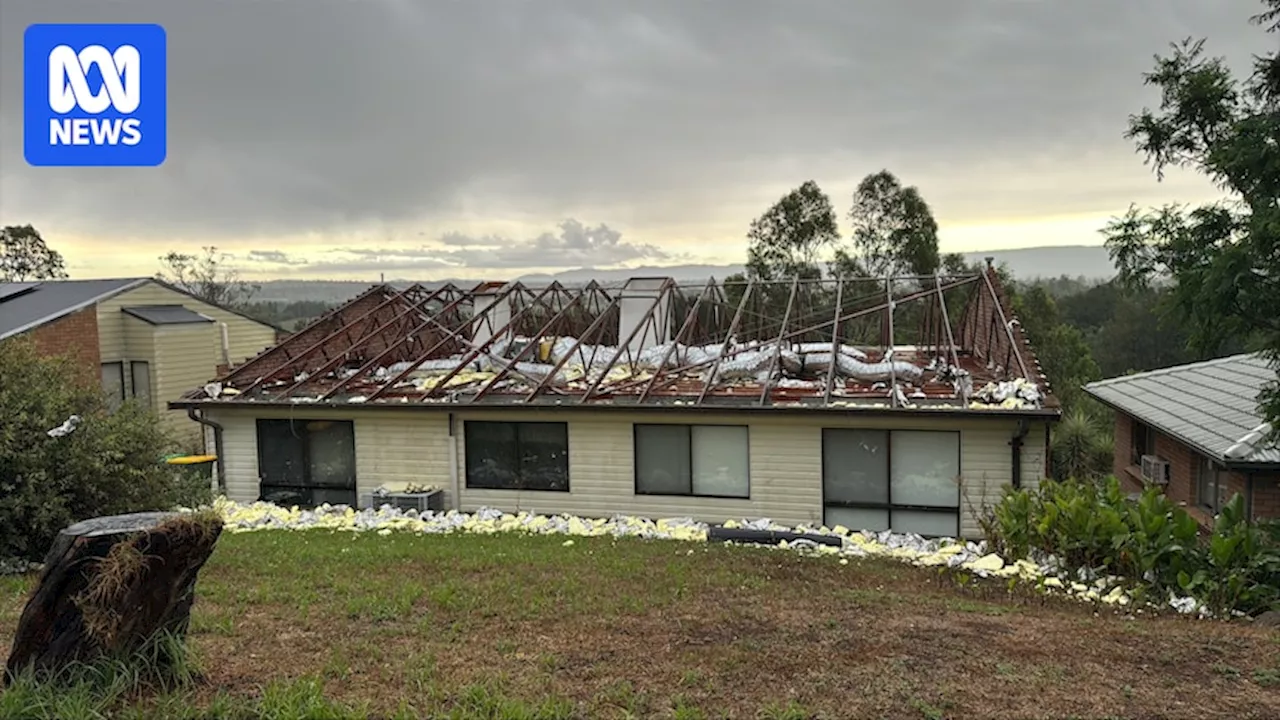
1088,261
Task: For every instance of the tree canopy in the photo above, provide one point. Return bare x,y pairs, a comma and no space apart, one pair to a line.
790,237
1221,260
207,277
893,230
24,256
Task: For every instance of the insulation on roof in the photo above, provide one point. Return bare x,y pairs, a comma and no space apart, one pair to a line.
513,344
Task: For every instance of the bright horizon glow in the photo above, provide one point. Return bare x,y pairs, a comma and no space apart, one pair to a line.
87,259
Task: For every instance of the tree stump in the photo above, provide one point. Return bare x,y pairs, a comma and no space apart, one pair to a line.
110,585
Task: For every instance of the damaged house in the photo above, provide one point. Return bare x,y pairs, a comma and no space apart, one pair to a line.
904,403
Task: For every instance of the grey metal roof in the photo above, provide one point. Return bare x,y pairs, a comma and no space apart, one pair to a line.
23,307
1211,405
166,315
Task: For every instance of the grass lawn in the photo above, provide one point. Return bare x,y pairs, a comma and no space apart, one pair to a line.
513,626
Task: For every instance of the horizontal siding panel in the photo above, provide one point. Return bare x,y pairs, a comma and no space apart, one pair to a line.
785,457
183,360
246,337
182,357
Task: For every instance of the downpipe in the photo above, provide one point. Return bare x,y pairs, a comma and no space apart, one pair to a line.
1015,443
197,416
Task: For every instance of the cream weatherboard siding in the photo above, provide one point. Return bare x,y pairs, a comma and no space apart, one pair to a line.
139,344
184,360
182,357
390,447
395,445
247,337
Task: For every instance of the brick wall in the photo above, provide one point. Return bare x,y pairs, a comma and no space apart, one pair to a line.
1183,469
1266,497
1120,461
75,335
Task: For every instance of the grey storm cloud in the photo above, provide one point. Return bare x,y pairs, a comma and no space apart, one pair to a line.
575,245
273,257
298,116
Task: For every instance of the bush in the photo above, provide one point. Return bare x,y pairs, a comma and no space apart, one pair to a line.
110,463
1148,540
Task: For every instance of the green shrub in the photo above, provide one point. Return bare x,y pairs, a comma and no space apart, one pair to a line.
1149,540
110,463
1240,566
192,485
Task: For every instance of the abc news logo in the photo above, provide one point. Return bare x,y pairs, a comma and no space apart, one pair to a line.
95,95
69,89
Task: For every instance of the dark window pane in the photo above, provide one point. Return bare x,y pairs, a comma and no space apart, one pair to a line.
493,458
544,455
857,518
332,449
928,524
141,378
333,496
285,496
662,460
855,465
113,383
281,453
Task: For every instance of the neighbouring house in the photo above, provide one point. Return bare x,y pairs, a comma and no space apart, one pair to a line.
145,338
1195,431
785,400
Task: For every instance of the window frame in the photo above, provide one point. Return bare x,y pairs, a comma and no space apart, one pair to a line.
1214,505
133,379
888,505
688,428
520,484
115,402
1142,441
306,485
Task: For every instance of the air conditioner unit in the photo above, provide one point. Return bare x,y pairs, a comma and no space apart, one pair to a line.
1155,470
422,502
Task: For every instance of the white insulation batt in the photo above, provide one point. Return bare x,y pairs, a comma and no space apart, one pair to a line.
1045,572
563,361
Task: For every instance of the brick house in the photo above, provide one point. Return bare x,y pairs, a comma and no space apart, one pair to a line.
146,339
1198,428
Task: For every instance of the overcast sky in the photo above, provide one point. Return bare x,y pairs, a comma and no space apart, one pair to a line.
431,138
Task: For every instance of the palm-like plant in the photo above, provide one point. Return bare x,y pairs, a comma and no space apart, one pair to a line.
1081,448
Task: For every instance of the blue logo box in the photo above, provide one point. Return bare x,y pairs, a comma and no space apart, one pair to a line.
94,95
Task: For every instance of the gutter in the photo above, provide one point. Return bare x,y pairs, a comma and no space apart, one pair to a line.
1046,414
199,417
1015,443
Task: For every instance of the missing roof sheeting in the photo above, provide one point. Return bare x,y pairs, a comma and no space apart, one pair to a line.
917,342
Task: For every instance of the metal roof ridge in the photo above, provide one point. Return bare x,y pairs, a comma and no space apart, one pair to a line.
1106,382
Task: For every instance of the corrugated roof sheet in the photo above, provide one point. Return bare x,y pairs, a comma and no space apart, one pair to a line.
1210,405
166,315
25,308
